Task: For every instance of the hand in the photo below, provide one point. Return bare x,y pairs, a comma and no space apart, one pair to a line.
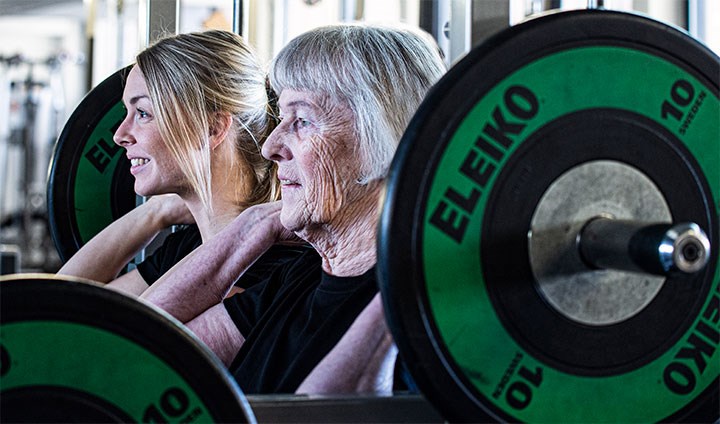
170,208
270,214
289,238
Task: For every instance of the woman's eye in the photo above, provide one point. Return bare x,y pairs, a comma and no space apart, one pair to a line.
302,123
142,113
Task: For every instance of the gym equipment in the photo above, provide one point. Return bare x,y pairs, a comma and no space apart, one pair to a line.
89,184
31,101
81,353
72,351
548,245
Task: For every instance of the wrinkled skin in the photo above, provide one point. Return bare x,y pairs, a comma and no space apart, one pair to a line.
318,165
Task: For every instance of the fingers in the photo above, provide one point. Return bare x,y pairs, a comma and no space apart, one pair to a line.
171,208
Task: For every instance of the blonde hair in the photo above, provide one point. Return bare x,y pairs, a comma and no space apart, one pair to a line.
192,79
381,72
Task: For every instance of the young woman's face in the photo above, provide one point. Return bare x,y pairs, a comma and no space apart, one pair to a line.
152,165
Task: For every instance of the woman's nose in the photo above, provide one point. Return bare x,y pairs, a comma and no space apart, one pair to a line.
122,135
274,149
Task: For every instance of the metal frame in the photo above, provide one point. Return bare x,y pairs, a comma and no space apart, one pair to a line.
405,408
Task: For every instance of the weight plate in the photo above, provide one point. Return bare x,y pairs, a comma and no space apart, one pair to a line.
89,183
72,351
591,92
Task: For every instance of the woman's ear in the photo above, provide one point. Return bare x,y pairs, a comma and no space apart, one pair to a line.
219,128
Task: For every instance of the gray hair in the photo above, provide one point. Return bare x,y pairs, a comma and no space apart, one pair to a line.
381,72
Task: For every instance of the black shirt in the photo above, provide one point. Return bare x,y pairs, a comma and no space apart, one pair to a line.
291,320
180,243
175,247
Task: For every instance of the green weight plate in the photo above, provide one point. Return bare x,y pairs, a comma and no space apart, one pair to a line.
547,98
89,183
72,351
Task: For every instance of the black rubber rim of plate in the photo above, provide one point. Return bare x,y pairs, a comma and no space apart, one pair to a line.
66,157
40,297
400,261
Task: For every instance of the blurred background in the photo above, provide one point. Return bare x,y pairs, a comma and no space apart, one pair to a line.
53,52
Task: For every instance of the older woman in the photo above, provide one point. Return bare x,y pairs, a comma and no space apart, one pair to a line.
197,115
346,94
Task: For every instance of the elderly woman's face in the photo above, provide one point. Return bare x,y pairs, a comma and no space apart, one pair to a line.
317,164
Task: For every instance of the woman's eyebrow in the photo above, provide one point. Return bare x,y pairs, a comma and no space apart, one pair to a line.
136,99
299,103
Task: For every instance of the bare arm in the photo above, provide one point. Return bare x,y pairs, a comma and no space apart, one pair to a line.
363,361
217,330
104,256
131,283
203,278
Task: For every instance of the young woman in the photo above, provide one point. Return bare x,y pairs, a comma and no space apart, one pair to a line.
197,116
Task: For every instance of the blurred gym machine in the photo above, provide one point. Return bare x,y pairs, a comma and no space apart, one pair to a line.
460,25
31,108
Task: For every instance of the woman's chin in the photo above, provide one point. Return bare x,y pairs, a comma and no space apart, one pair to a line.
291,223
143,191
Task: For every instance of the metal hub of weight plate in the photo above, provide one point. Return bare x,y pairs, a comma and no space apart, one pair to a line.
549,125
89,183
72,351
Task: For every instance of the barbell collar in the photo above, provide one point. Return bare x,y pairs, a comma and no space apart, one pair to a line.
657,248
